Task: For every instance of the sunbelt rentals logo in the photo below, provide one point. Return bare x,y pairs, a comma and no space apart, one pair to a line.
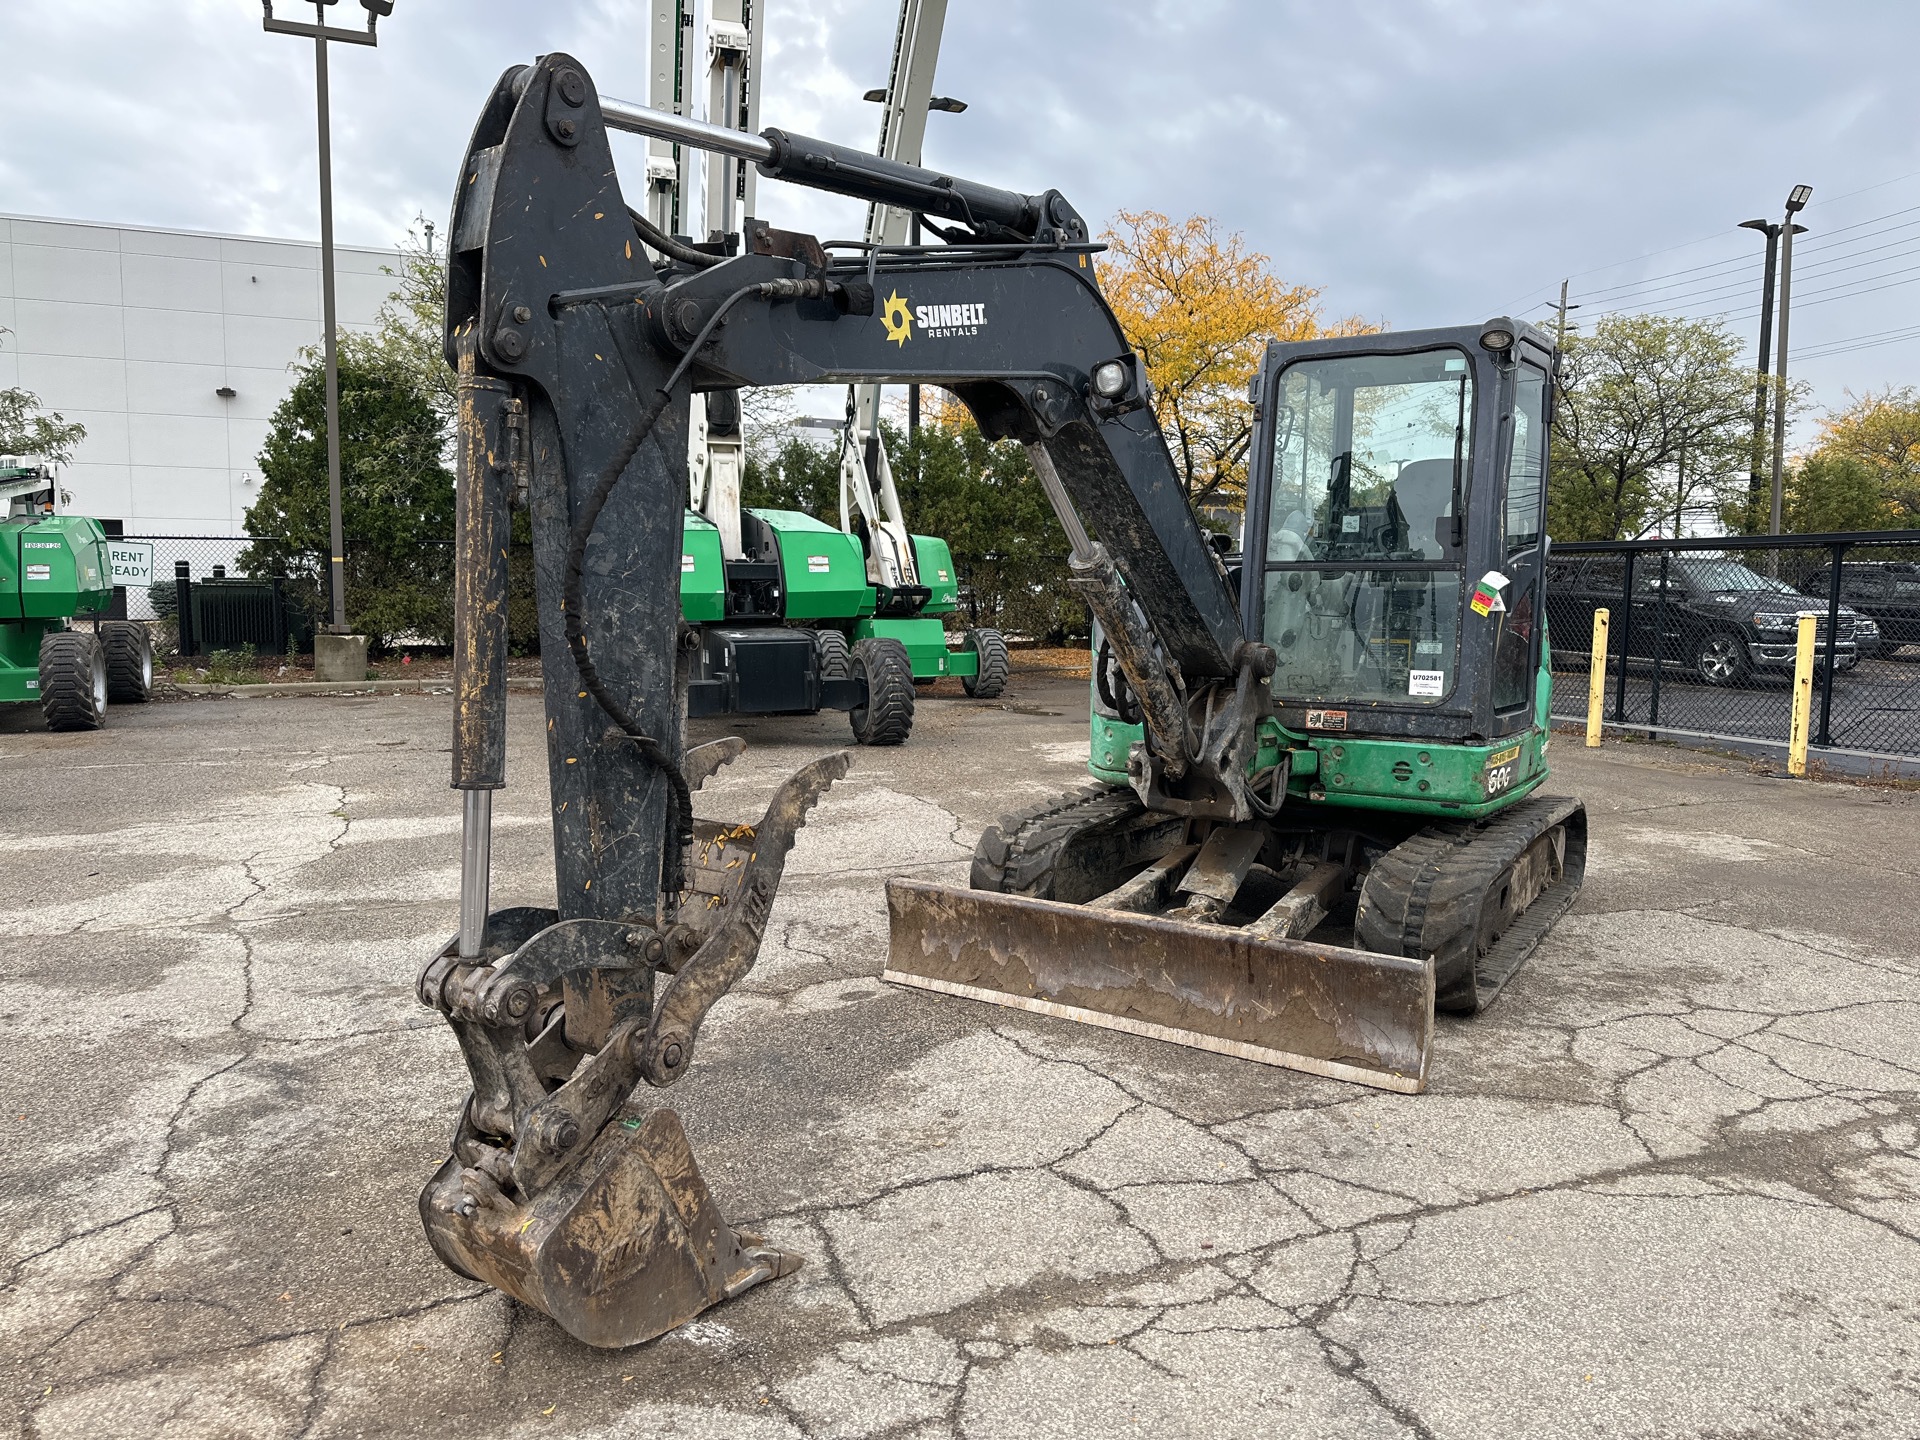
904,319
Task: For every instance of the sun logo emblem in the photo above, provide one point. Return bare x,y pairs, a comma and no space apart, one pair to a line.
898,319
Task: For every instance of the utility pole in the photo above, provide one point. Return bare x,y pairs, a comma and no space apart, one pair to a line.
321,34
1560,330
1796,202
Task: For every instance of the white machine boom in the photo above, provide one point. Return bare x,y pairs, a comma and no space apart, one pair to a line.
866,476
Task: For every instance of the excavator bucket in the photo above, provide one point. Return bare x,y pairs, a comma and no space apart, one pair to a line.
576,1202
624,1247
1324,1009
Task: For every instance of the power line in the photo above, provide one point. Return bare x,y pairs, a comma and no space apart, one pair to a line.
1714,291
1846,248
1877,185
1732,315
1826,242
1841,347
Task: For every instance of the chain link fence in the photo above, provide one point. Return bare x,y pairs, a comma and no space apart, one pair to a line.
1703,635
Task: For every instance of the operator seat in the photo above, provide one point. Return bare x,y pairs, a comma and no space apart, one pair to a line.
1423,490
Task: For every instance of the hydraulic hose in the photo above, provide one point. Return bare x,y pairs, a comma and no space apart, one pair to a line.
667,245
573,604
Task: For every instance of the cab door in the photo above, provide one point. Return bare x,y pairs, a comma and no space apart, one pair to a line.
1516,655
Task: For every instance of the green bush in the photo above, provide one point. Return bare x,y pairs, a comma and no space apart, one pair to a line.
396,503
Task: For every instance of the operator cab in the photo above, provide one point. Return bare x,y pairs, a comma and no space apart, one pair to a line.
1394,546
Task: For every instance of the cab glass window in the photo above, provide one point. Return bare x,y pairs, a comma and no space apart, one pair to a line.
1527,467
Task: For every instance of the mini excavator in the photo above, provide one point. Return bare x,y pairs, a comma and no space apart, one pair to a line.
1343,736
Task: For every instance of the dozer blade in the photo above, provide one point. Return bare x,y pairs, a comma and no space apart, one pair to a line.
1327,1010
625,1246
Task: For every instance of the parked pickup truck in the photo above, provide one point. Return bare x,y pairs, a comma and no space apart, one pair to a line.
1718,620
1887,592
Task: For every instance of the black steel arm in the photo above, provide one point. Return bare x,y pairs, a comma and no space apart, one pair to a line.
546,272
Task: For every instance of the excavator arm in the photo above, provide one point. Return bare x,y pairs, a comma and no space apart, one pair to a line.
577,353
562,298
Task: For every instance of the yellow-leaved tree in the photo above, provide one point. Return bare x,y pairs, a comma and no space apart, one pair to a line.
1200,307
1881,433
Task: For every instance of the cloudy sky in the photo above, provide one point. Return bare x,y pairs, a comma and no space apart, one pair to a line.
1423,161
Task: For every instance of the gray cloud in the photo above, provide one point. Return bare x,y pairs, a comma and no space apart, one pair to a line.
1423,162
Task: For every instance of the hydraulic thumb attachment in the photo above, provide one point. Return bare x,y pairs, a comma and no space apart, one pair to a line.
560,1189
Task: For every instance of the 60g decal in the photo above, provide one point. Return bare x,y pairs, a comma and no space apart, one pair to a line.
1502,769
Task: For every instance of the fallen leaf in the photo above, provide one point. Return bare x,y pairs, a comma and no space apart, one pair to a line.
496,1356
550,1409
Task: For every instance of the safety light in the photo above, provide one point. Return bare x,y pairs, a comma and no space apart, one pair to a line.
1110,379
1496,338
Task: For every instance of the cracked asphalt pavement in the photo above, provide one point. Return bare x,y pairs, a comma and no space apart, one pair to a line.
1667,1186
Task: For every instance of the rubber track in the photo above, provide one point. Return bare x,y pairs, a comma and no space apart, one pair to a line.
1018,856
1428,877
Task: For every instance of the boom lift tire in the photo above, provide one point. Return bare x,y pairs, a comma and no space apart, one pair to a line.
73,681
836,660
887,716
129,653
995,664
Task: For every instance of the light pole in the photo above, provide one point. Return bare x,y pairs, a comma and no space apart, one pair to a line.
320,32
1772,232
1796,202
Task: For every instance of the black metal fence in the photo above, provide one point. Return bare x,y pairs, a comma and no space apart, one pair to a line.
1703,635
243,591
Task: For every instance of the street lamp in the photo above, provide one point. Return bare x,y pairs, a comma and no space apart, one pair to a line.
320,33
1772,231
1796,202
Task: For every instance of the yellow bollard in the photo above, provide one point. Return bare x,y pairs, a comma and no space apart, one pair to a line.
1597,677
1802,697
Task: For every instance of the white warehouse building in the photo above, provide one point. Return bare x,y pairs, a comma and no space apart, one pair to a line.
172,347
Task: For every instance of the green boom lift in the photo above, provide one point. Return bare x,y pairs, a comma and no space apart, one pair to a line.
54,568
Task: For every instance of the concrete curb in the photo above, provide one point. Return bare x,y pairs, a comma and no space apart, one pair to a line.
338,687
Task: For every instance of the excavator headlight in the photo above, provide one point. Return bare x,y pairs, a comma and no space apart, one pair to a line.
1496,338
1110,379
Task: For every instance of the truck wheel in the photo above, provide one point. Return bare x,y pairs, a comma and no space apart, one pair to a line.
887,716
73,680
129,652
995,664
835,658
1720,658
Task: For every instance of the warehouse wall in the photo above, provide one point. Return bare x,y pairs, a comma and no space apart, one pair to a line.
132,331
